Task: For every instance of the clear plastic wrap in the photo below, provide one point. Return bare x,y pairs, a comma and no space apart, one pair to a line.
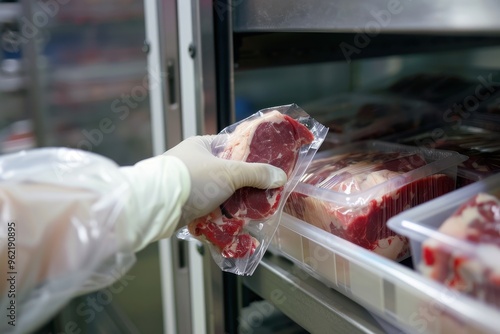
239,231
71,222
390,290
357,116
61,210
352,191
455,239
475,138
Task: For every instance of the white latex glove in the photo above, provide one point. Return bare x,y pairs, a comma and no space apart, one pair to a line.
214,180
186,182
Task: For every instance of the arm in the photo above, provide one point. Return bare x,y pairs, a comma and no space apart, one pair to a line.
79,218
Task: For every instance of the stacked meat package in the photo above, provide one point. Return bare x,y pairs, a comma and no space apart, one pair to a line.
352,191
473,138
455,239
408,171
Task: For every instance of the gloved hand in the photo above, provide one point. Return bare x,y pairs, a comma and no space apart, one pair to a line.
186,182
214,180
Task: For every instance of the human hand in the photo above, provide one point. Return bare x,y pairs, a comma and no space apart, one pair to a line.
214,180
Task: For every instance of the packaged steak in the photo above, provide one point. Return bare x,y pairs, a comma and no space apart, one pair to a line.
474,138
355,116
456,239
352,191
240,230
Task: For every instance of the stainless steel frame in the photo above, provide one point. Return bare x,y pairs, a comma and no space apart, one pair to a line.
166,117
374,16
205,66
188,271
203,53
35,85
307,302
314,306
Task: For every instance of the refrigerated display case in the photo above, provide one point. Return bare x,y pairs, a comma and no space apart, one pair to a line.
250,55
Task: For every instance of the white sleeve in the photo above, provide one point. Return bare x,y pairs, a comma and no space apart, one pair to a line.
71,222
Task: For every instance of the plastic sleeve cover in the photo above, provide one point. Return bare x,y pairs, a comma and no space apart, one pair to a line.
71,222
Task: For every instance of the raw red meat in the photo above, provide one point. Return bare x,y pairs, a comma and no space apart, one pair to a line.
473,270
362,220
274,138
479,144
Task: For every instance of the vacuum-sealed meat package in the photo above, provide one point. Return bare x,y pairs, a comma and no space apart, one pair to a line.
239,231
352,191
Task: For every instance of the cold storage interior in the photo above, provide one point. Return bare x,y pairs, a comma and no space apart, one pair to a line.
395,296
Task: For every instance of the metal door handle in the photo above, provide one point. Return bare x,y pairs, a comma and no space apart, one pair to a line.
172,99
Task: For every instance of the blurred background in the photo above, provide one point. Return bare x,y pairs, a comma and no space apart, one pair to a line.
78,70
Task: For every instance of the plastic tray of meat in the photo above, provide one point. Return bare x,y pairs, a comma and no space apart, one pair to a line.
455,240
352,191
390,290
355,116
473,138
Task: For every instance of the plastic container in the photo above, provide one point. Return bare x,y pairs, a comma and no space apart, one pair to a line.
459,263
355,116
395,293
352,191
475,138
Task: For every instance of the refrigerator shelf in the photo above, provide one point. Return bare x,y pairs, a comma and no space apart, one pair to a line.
309,303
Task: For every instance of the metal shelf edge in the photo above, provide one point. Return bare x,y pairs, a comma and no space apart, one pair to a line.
308,302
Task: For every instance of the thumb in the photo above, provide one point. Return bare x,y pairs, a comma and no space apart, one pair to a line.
258,175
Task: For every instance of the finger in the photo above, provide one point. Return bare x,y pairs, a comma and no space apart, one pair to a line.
202,141
258,175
